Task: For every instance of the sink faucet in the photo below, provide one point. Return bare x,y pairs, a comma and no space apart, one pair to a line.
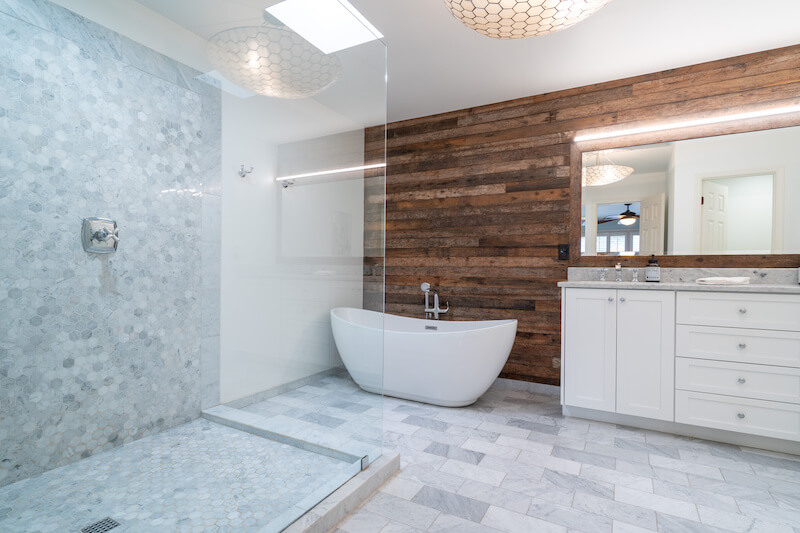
435,310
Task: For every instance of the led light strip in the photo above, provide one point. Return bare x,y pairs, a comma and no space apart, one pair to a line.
329,172
689,123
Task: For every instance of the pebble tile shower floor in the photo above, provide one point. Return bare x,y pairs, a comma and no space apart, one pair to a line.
511,463
200,476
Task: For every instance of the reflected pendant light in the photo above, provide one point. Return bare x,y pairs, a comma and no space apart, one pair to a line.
598,174
272,60
515,19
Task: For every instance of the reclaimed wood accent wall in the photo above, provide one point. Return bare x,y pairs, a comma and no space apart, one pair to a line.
478,200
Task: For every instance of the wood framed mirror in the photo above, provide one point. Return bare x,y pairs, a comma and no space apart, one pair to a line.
667,193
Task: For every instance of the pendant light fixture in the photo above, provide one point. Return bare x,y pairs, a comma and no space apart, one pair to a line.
597,174
515,19
272,60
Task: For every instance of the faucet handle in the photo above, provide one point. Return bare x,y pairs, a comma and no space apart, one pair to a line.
103,235
426,287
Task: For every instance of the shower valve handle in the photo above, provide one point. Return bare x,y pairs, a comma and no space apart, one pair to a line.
103,235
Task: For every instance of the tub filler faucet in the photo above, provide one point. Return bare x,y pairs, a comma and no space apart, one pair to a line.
435,310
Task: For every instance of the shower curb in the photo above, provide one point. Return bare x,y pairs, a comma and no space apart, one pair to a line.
326,514
348,451
250,399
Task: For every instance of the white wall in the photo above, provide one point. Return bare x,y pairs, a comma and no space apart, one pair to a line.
280,273
749,233
773,151
670,207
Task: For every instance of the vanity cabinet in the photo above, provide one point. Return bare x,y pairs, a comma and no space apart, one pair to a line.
591,348
646,353
684,359
738,362
619,351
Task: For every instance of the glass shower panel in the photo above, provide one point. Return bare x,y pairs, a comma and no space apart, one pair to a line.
234,175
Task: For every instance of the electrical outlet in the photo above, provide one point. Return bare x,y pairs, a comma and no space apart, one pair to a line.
563,252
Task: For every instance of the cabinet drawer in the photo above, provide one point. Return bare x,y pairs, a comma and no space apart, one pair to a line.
738,379
742,345
761,311
756,417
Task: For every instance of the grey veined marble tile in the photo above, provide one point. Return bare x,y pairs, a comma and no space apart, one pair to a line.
454,452
651,483
92,343
428,423
451,503
574,519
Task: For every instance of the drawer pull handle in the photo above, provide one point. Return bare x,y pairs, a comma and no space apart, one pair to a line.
741,380
742,310
622,299
739,415
610,299
742,346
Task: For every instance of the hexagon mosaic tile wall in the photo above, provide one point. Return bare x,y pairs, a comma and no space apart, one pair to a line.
96,351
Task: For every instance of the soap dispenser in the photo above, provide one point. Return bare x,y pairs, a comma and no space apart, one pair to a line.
652,272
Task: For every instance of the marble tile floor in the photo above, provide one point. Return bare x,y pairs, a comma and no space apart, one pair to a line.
199,476
511,463
331,411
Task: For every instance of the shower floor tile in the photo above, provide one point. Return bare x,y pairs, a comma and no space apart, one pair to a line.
200,476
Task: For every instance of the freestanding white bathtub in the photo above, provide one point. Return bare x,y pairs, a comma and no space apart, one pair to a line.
440,362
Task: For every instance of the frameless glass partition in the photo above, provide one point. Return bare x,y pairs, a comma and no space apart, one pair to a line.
192,211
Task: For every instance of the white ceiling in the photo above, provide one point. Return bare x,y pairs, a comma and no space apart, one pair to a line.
436,64
643,159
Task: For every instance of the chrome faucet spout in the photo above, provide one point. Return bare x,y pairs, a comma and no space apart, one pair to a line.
436,310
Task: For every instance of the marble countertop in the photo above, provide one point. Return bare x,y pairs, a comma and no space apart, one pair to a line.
683,286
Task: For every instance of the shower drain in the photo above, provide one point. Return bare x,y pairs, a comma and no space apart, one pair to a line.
106,524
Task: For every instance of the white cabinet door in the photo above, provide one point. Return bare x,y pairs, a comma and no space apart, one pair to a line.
646,353
590,348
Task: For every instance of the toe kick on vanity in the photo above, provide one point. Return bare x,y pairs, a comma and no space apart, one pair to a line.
717,364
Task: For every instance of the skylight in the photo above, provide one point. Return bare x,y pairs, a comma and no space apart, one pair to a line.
330,25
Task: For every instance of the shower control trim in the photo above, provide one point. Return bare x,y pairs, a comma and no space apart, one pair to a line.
99,235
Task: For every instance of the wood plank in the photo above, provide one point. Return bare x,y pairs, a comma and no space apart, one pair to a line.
479,199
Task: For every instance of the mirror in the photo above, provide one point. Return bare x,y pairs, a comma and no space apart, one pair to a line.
730,194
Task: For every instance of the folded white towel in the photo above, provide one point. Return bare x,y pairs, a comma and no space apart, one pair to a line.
723,281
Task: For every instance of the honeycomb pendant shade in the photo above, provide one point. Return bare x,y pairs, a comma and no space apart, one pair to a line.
604,174
272,61
515,19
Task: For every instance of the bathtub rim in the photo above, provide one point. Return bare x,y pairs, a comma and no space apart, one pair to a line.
485,324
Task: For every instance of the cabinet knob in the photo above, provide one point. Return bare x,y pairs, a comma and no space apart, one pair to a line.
610,299
742,310
742,346
739,415
622,299
741,380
